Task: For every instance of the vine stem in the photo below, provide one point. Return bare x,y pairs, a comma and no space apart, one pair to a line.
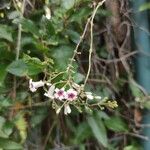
18,41
81,39
91,43
18,47
76,50
40,104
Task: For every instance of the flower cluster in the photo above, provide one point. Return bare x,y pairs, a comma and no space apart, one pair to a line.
55,93
61,94
69,96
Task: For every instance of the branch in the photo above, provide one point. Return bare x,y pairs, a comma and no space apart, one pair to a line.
91,44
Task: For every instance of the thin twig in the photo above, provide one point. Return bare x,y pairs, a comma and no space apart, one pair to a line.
91,44
118,59
48,135
77,47
97,81
19,32
139,136
40,104
18,46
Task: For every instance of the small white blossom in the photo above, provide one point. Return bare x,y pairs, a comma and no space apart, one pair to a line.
47,13
89,95
33,86
8,7
98,97
48,84
71,94
50,92
60,94
67,109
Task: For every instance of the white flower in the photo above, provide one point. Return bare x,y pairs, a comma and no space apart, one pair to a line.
89,95
71,94
60,93
98,97
35,85
47,13
67,109
8,7
48,84
50,92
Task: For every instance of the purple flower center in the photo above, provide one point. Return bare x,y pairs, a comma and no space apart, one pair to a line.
60,93
71,95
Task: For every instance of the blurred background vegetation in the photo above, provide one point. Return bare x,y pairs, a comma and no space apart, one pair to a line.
38,37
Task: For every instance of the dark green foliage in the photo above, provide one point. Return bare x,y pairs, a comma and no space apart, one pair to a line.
46,47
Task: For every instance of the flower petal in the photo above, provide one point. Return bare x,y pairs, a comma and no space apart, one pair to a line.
67,109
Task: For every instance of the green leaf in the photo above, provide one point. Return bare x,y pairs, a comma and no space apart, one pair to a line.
74,36
132,147
21,124
144,7
99,130
50,28
5,102
135,90
2,73
34,65
8,128
39,115
146,104
116,124
27,40
9,145
2,121
18,68
78,77
6,54
6,33
102,115
68,4
29,26
62,54
2,133
80,15
82,133
53,41
26,66
13,15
